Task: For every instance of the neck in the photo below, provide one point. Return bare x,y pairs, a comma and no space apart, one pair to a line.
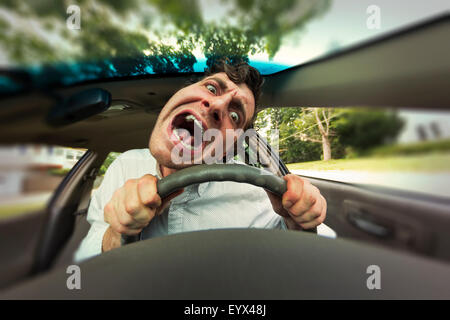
166,171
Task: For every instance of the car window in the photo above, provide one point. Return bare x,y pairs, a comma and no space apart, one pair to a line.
257,152
101,172
64,43
406,149
29,174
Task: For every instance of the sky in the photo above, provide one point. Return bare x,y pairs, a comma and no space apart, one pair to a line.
344,24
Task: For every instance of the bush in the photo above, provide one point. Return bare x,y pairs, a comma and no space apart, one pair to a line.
294,150
109,159
363,129
351,153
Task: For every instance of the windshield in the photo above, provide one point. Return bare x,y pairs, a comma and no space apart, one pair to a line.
47,43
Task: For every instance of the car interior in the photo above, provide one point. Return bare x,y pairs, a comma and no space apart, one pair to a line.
406,233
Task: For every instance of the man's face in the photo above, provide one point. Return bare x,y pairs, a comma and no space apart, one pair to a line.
212,103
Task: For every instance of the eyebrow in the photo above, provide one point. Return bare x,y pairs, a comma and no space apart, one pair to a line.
221,83
224,87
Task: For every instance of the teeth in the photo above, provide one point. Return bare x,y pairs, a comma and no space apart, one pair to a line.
190,118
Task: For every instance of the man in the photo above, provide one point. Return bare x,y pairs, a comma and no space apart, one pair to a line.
127,202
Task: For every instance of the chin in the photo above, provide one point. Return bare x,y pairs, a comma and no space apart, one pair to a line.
162,154
161,147
163,157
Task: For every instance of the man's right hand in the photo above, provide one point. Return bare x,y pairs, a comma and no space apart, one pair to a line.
131,208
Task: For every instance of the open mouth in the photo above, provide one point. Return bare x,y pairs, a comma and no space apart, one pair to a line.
183,129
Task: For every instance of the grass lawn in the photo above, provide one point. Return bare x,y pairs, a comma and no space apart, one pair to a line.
15,209
433,162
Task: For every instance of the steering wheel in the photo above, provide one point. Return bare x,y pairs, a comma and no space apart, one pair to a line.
216,172
241,263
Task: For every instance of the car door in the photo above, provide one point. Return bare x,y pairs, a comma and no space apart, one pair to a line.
42,212
398,219
408,69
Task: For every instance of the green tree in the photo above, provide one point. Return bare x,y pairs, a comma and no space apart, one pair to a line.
363,129
109,159
291,148
122,28
348,131
314,125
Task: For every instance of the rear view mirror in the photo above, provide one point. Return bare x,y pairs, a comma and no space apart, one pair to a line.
79,106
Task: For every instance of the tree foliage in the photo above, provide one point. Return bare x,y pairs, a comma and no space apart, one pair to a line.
142,29
363,129
138,37
109,159
351,130
291,148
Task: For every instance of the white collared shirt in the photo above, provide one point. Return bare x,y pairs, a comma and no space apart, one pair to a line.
210,205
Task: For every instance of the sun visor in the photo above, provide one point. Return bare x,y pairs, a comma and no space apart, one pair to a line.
79,106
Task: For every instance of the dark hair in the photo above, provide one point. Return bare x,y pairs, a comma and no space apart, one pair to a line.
240,72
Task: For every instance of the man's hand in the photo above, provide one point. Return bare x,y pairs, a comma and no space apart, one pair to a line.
131,208
302,205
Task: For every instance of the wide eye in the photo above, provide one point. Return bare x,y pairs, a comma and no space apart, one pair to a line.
234,116
211,88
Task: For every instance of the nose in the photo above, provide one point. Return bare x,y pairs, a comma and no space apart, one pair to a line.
218,106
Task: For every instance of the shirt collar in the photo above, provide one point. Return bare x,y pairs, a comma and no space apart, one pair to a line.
158,171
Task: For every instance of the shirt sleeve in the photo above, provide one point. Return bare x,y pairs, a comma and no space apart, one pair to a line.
92,243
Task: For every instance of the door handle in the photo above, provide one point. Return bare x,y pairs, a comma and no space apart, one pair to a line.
367,224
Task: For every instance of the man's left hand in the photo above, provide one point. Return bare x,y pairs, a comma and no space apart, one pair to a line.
302,205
